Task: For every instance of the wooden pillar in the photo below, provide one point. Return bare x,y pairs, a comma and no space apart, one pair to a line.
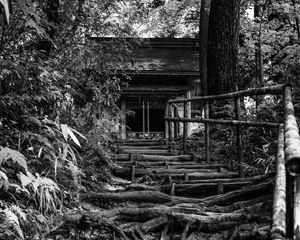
176,127
185,129
123,118
206,115
189,112
167,123
239,137
148,118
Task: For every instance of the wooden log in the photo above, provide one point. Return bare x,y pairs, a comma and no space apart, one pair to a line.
145,158
279,203
249,192
202,176
291,134
150,152
207,189
141,143
135,196
224,122
277,90
169,158
174,165
158,171
154,224
155,147
239,205
224,180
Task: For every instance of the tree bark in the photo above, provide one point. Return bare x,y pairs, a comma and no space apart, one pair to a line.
203,41
223,46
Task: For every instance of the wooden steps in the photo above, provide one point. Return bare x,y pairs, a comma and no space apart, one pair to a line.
144,157
183,175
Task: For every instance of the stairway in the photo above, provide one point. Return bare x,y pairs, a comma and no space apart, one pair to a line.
174,173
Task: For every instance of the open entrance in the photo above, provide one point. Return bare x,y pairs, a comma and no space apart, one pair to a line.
147,119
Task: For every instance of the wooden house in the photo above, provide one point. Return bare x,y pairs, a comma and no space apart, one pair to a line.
160,69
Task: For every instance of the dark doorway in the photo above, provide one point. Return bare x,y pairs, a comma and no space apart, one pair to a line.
139,121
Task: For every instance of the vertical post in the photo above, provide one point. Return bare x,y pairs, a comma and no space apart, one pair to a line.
185,128
206,115
170,123
188,111
176,128
289,205
123,118
144,118
148,118
239,138
167,123
220,188
133,173
297,208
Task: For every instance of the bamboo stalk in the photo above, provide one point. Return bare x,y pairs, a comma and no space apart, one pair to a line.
277,90
297,209
291,133
279,199
224,122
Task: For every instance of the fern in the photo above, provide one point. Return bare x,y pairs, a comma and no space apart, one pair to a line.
7,154
44,191
10,225
3,176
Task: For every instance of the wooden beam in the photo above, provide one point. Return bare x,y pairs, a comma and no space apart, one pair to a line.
224,122
277,90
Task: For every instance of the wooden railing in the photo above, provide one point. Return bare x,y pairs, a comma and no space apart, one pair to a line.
286,204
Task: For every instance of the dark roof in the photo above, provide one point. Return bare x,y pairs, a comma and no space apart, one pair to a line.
179,56
166,55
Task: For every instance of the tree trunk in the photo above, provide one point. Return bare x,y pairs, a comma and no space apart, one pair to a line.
203,41
223,46
51,10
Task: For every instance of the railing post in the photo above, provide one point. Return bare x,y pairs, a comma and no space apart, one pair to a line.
297,208
169,122
176,124
206,116
278,230
239,137
292,156
185,128
167,125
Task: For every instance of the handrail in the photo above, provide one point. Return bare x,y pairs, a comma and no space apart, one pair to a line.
275,90
292,159
286,203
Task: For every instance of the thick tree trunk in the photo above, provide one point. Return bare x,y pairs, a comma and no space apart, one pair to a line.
203,41
223,46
